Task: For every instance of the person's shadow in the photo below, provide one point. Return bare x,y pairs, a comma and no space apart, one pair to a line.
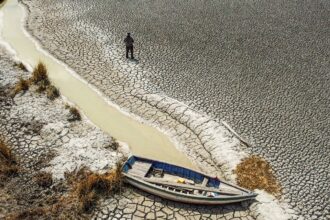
133,60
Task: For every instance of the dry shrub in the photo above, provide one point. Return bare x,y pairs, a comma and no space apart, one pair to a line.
114,145
256,173
40,77
42,86
21,66
8,164
39,74
74,114
88,186
94,186
52,92
44,179
6,152
21,85
8,170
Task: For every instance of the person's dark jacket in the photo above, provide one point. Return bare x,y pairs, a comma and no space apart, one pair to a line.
129,41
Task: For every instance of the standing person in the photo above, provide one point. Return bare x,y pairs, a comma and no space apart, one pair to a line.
129,45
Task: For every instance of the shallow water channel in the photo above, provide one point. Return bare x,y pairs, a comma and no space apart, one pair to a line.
142,139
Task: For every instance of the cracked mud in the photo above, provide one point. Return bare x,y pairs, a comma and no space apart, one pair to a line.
261,66
43,139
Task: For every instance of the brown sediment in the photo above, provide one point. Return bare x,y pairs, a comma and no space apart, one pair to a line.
255,172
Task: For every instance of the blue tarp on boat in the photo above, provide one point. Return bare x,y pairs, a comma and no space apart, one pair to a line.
174,170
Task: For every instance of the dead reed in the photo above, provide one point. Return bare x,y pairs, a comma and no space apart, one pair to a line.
114,145
40,79
21,85
8,164
39,74
74,114
256,173
88,186
52,92
21,66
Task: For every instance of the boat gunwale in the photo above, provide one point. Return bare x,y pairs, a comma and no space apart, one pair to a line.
154,186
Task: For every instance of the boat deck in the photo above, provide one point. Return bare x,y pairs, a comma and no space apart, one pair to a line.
140,169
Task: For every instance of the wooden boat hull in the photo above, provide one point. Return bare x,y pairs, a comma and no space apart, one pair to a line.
144,186
198,188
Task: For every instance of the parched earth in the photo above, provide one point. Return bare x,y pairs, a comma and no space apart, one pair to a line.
42,139
134,204
263,66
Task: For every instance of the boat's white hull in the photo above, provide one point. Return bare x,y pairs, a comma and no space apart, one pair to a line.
158,191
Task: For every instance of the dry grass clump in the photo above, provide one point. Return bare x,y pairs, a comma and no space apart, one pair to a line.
52,92
42,86
74,114
8,164
114,145
6,152
256,173
88,187
20,65
21,85
39,74
40,79
85,189
44,179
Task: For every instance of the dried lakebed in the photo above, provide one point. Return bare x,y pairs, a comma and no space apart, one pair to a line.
263,66
203,139
42,138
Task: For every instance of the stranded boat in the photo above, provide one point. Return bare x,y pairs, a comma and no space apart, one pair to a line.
181,184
